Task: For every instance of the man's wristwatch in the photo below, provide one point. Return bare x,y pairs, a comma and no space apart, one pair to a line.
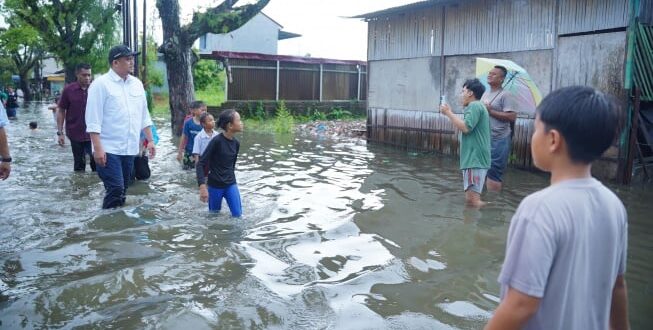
59,133
5,160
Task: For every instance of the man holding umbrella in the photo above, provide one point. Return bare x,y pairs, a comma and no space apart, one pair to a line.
502,117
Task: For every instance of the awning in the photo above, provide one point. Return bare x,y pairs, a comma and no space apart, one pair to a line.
56,78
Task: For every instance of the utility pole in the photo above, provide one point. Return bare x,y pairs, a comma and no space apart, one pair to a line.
129,11
144,52
134,37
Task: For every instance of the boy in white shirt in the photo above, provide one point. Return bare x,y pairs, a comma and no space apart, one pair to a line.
203,138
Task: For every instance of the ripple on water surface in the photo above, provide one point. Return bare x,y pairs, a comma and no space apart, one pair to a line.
336,234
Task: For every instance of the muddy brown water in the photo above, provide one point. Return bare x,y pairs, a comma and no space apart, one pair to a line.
337,234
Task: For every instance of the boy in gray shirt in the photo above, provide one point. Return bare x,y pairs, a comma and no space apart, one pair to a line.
566,250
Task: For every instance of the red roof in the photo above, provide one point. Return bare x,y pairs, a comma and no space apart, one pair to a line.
284,58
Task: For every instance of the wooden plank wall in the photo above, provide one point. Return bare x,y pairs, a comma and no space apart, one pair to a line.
432,131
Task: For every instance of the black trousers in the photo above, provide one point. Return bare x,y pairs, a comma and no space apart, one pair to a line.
80,150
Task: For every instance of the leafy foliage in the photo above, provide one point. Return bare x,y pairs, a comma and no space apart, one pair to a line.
178,40
74,31
283,121
314,114
259,113
339,113
21,43
207,74
154,75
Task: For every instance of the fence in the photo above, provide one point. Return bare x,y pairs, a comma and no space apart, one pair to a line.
276,77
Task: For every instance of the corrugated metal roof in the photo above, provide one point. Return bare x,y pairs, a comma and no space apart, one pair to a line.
284,58
405,8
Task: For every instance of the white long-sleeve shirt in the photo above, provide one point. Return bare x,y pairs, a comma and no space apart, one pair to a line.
4,121
116,108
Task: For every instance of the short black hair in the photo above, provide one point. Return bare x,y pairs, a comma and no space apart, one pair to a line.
82,66
197,104
203,117
225,117
503,69
586,118
33,125
475,86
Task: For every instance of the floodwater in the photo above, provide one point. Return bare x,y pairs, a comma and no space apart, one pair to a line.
336,235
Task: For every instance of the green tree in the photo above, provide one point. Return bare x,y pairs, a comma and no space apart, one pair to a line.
154,75
6,68
24,47
205,74
178,40
74,31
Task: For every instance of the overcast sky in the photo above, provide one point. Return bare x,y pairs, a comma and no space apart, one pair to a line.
325,30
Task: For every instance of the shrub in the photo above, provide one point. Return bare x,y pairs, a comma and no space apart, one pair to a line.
339,113
284,121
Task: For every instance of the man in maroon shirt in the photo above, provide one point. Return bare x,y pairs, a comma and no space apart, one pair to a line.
72,112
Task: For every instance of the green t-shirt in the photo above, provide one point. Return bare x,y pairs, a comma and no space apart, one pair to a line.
475,144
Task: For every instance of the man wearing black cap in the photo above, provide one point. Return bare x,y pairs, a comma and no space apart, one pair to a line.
116,113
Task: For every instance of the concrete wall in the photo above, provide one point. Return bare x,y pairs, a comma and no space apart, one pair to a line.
463,67
596,60
408,84
259,35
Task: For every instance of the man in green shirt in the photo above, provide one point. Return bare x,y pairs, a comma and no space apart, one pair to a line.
475,141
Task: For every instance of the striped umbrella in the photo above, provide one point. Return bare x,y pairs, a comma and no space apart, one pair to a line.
525,94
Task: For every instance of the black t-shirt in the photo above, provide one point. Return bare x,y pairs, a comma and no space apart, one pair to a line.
220,158
12,100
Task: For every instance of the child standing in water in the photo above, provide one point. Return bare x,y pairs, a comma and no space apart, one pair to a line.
567,244
191,128
220,158
203,138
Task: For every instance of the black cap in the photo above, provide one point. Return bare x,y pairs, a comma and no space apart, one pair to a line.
119,51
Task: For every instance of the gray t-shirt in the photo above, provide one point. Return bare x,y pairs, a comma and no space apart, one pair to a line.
566,245
499,129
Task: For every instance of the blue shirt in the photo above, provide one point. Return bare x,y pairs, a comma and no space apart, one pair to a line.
190,130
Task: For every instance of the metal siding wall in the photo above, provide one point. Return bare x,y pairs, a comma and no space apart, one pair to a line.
409,35
299,85
576,16
595,60
252,84
538,63
409,84
494,26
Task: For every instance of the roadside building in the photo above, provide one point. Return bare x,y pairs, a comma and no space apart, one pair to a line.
420,51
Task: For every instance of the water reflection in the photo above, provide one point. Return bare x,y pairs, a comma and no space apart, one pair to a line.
336,234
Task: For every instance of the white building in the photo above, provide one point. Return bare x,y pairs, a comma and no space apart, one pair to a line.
260,35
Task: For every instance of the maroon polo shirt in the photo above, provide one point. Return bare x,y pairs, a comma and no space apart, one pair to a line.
73,100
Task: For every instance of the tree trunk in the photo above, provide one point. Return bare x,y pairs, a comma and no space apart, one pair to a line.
180,85
177,53
24,86
177,42
69,69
